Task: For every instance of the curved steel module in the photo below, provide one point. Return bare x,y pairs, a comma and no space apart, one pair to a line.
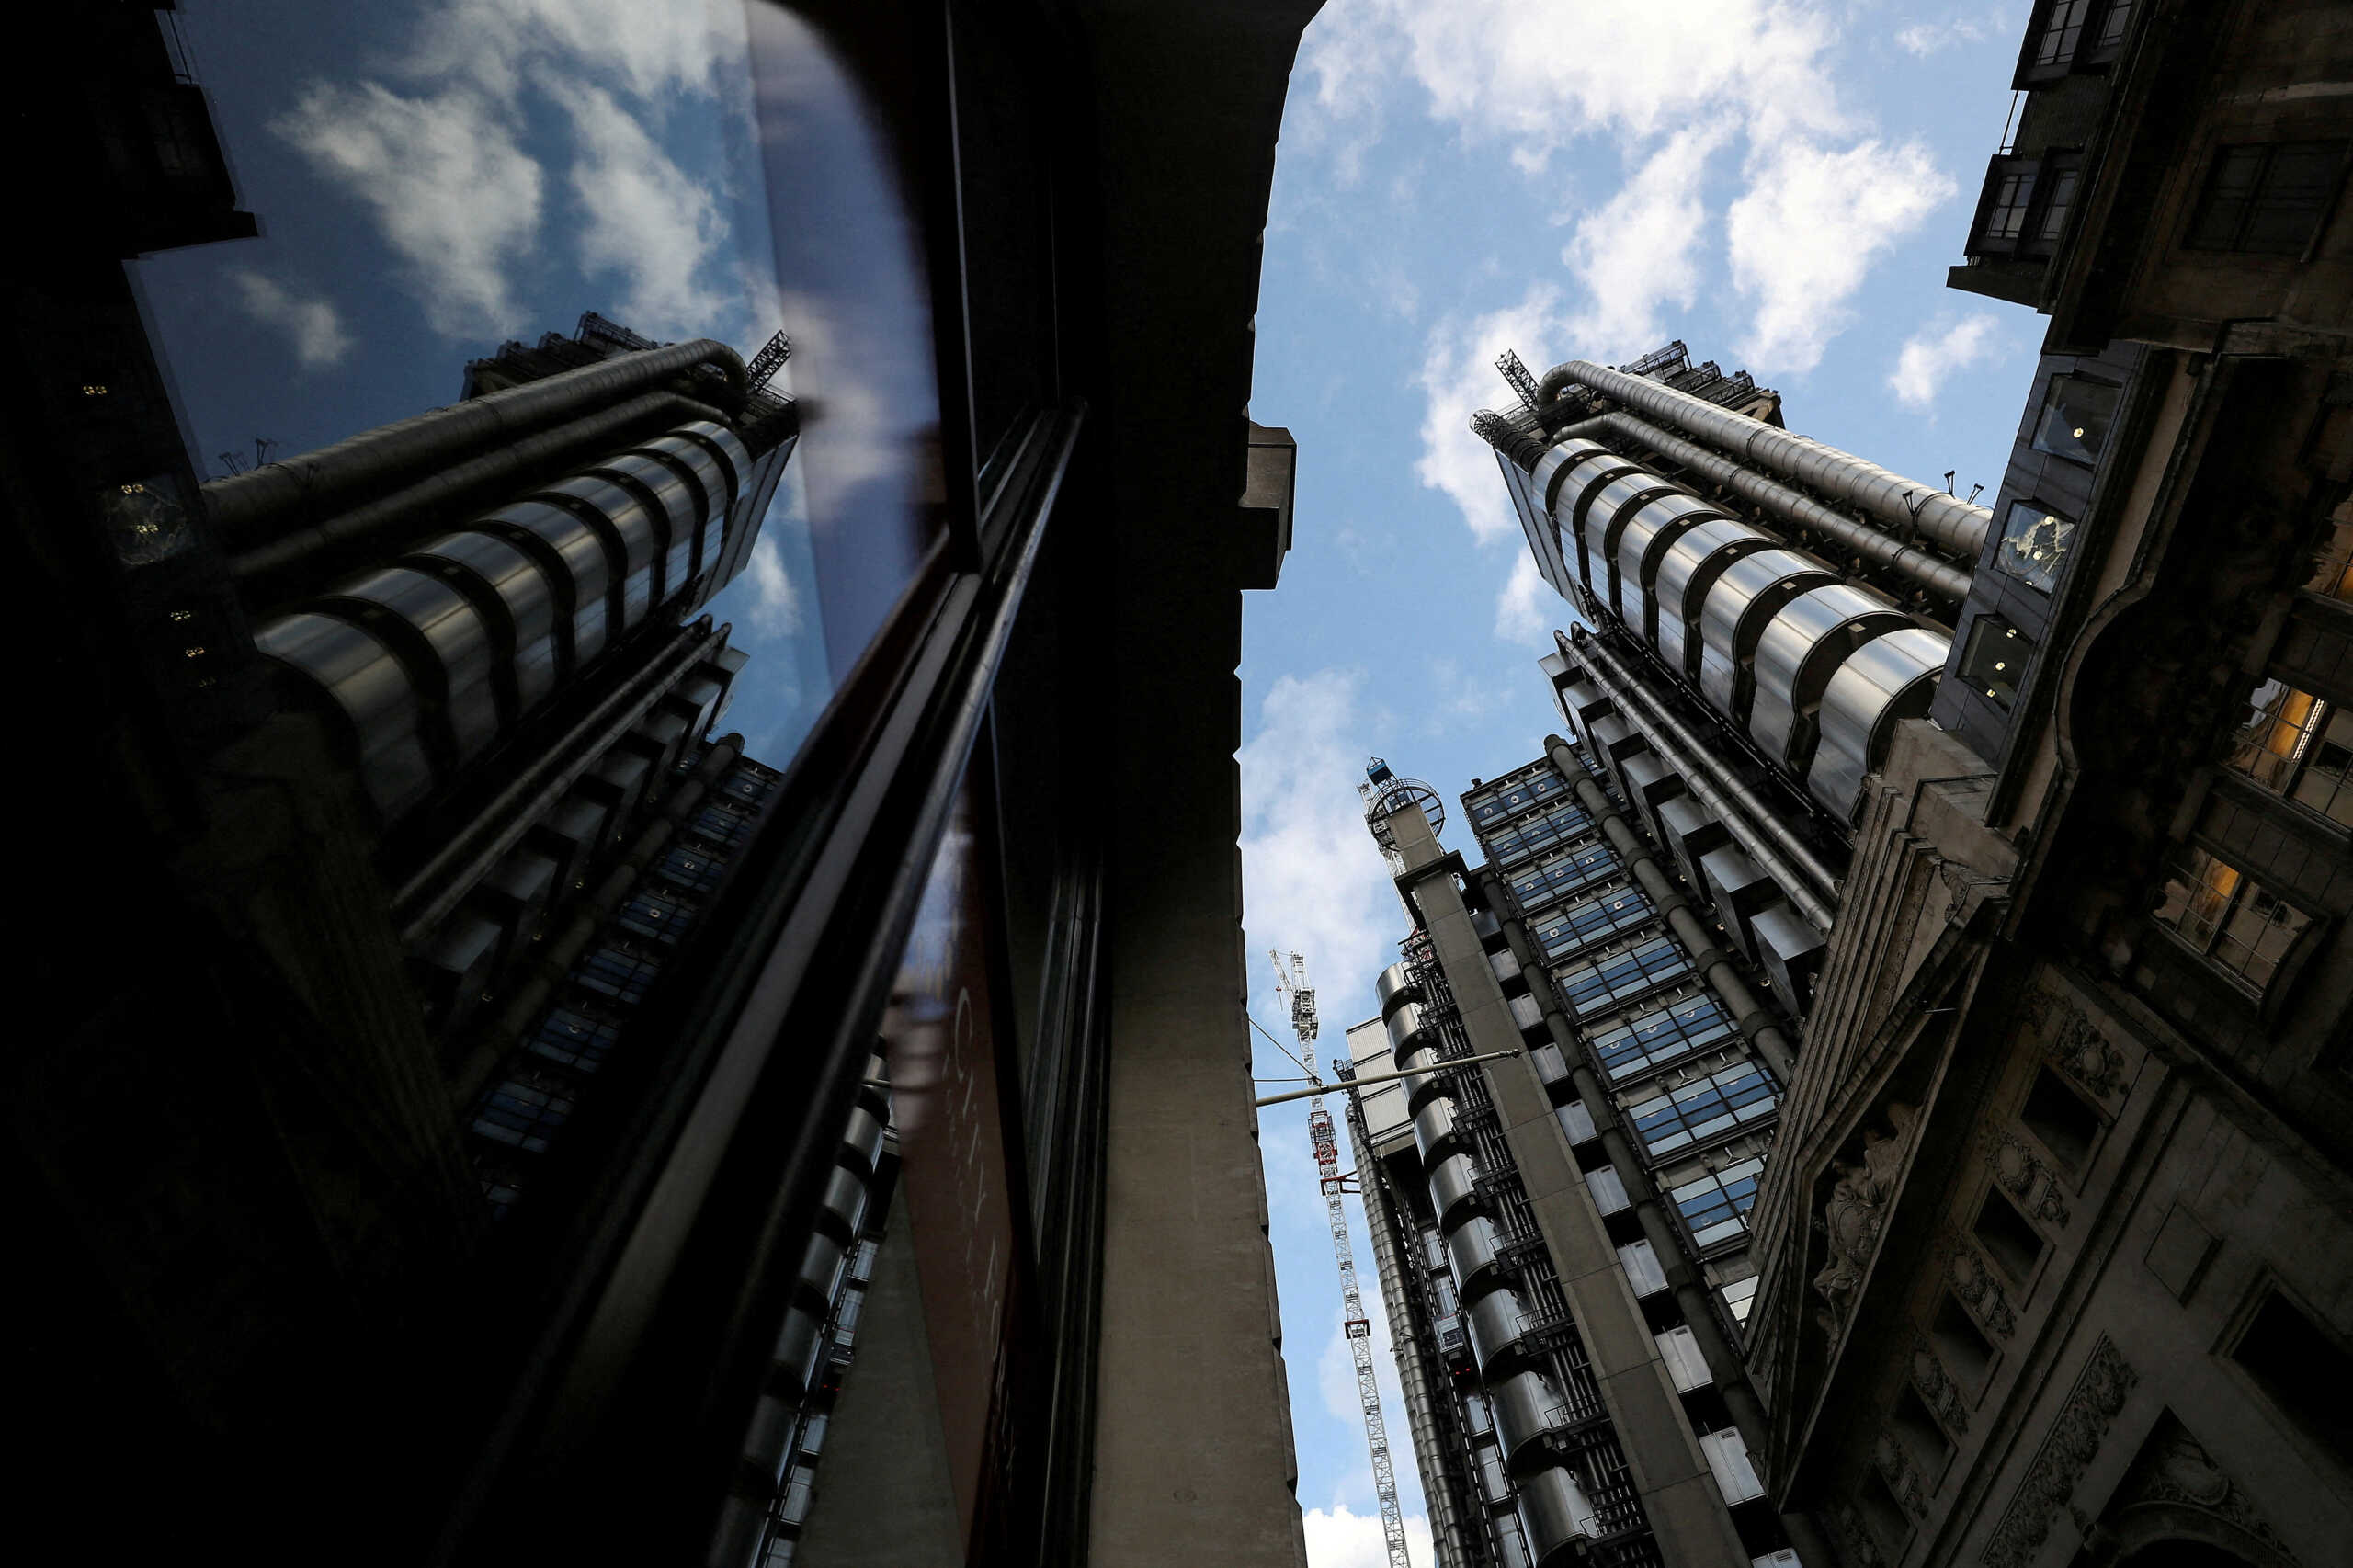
1797,654
1738,605
1498,1326
1693,562
1578,489
521,587
1556,1516
1452,1186
1421,1075
587,567
1643,545
1473,1250
1434,1127
715,481
633,527
359,675
1526,1406
451,632
1606,516
677,514
1404,1023
1554,467
1393,987
845,1201
1888,679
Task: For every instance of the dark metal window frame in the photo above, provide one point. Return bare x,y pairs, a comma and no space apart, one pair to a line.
2266,155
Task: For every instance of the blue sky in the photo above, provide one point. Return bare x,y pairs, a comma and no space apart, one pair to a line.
1781,186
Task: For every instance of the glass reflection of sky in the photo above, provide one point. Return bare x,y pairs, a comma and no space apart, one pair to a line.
434,177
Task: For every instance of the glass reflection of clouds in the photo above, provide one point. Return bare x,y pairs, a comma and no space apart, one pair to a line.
437,176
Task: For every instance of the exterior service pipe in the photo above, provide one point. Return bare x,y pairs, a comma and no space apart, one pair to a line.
1945,520
1802,874
1713,963
1794,506
250,507
273,571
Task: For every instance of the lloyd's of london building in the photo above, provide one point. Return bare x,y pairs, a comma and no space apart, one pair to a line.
1995,859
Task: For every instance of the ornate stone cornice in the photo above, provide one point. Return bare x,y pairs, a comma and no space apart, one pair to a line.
2100,1391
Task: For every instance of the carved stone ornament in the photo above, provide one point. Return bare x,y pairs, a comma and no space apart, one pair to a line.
1972,1281
1895,1469
2027,1179
2080,1050
2175,1469
2100,1391
1938,1391
1855,1542
1856,1209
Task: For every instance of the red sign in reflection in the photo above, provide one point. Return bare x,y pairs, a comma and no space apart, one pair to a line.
941,1044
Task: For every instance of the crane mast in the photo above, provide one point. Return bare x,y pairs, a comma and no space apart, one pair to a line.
1290,983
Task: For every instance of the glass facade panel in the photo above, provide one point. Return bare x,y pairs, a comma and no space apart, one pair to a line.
1559,877
1703,1108
572,1038
2294,744
2062,33
1591,987
1556,824
1517,798
1715,1208
1995,658
1652,1038
1566,930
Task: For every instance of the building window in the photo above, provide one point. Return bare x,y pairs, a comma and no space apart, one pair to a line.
524,1112
574,1039
621,975
1568,874
2265,198
1738,1296
2112,23
2295,1362
1576,926
2060,178
690,870
1516,797
1995,660
1715,1208
2034,545
2294,744
2061,35
2007,1238
1705,1108
2076,414
720,824
1621,976
2243,928
1652,1040
654,918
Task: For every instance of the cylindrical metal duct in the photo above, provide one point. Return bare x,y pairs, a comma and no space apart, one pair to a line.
1394,987
248,508
1803,876
1452,1186
1471,1251
1945,520
1554,1512
1791,505
1526,1406
1434,1127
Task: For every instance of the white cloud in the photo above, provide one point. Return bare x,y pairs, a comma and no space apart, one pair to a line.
1923,39
454,194
1458,378
310,323
1805,234
1638,251
1526,608
1313,879
655,50
776,605
646,218
1341,1538
1929,357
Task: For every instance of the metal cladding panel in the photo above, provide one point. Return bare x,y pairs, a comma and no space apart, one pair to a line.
1526,1406
1734,616
1451,1185
1887,679
453,628
1472,1252
1795,655
1654,525
1577,1123
796,1352
1738,889
863,1138
1572,504
365,681
1496,1324
1583,698
1728,1462
1791,950
1554,1512
1607,516
712,476
731,447
1434,1127
585,562
821,1268
1680,1351
1554,467
530,599
1692,561
634,526
1551,1065
1691,830
1407,1021
1393,987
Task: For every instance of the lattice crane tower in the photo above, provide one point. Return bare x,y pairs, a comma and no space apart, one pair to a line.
1291,983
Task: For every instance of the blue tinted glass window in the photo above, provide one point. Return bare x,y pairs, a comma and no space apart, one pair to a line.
656,917
621,975
1715,1208
1556,824
523,1112
1564,930
1703,1108
1559,877
574,1039
1591,987
1649,1040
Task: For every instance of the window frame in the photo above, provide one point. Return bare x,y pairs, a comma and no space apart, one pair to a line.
2266,157
2003,555
2242,889
2320,715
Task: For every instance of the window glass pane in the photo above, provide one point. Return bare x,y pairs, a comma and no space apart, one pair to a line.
2276,733
2034,545
2230,190
441,189
2013,192
1648,1039
2113,21
2197,890
2266,197
2321,783
2076,416
1995,659
2060,198
1580,925
2256,934
2061,32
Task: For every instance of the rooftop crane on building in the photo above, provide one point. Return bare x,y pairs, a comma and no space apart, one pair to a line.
1290,983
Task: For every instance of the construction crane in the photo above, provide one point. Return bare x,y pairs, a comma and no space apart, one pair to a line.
1290,984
